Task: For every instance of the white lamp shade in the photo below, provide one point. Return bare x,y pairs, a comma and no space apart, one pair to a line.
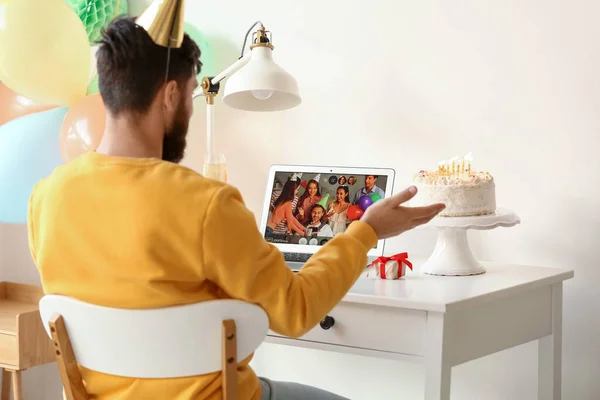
261,85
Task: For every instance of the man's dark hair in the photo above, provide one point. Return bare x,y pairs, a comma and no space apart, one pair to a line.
132,68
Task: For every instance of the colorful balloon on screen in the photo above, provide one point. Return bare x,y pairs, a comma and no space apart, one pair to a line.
355,213
375,197
365,202
28,153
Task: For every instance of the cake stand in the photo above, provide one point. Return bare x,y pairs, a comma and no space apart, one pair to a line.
452,255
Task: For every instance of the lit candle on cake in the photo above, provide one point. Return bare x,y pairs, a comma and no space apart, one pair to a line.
441,167
454,165
469,159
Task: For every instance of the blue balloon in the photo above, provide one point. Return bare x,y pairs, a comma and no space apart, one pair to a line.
29,152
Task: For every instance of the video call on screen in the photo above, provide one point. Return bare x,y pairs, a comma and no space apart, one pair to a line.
311,208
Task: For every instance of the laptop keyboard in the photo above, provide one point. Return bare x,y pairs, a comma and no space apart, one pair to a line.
296,257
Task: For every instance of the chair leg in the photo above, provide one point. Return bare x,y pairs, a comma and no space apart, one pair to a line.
229,370
5,385
65,358
17,385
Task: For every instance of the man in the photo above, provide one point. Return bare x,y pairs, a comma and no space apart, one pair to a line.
369,188
317,226
127,227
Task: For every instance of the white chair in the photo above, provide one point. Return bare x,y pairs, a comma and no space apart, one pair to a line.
179,341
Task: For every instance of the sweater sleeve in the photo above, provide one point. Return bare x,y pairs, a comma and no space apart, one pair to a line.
245,266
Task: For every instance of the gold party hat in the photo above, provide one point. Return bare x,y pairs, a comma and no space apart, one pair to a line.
163,20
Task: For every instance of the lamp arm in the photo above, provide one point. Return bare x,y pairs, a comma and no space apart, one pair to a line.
210,85
231,69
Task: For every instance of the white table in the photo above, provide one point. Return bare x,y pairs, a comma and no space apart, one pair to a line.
447,321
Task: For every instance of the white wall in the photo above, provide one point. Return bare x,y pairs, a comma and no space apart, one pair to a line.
405,84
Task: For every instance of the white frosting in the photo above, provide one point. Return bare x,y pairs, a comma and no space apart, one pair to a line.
463,195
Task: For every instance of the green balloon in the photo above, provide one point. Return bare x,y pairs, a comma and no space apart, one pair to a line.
96,14
375,197
206,55
93,87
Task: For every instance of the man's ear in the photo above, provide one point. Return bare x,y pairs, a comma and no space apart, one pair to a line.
171,96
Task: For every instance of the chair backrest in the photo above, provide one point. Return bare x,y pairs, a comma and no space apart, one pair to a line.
168,342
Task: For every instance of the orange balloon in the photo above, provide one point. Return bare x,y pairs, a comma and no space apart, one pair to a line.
82,128
13,105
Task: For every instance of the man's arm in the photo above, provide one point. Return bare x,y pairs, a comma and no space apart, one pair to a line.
238,260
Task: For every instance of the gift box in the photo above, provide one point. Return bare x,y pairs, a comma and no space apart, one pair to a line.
393,267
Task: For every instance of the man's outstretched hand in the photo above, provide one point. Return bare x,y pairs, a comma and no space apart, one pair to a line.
389,218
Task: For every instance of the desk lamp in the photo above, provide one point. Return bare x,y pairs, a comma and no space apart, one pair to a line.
255,82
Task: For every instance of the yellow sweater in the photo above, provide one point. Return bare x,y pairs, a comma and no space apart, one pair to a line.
144,233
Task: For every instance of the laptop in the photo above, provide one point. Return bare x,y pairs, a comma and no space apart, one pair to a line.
309,192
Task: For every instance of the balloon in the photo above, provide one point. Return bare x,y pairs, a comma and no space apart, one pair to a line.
96,14
13,105
375,198
44,51
206,56
28,153
365,202
137,7
355,212
82,128
93,77
93,88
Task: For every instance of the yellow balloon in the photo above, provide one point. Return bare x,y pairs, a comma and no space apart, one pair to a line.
44,51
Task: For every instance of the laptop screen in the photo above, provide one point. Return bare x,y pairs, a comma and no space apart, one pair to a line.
310,208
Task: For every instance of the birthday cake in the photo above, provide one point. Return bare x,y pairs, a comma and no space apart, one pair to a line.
464,192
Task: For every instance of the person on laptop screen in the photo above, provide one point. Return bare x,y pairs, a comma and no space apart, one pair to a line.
318,226
126,226
369,188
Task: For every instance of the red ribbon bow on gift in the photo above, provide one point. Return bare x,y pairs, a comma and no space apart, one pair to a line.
399,258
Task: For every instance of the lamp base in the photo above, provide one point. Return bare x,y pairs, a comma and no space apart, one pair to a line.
215,171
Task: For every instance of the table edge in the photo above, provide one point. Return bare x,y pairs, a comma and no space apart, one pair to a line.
561,275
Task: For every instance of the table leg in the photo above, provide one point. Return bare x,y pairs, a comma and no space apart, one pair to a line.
550,352
17,385
5,385
437,368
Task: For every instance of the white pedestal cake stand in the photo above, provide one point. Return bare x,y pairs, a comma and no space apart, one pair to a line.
452,255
